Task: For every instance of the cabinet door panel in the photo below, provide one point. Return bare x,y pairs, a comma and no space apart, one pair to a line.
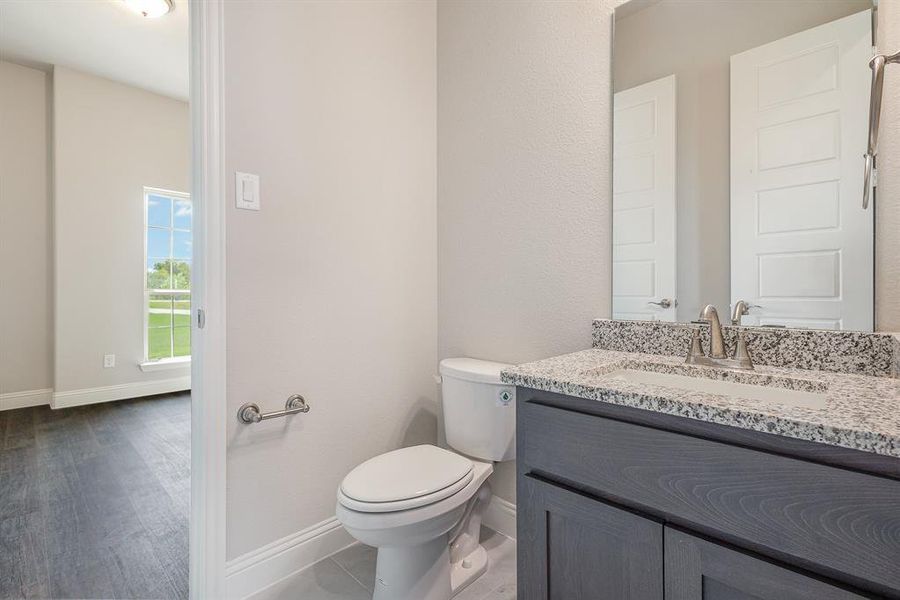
700,570
571,547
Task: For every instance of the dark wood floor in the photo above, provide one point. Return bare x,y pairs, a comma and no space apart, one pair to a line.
94,500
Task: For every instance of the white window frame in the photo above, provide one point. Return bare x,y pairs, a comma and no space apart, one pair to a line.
172,361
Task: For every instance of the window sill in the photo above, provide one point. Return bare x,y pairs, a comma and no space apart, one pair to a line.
165,364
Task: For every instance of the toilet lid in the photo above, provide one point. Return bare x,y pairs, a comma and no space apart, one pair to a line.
418,472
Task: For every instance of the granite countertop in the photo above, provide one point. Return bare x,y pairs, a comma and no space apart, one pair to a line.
859,411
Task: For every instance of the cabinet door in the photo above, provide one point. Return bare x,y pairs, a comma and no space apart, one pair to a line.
700,570
573,547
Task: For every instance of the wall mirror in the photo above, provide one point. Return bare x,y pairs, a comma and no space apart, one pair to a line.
738,135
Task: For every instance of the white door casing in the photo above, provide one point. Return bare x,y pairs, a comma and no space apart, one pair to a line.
208,407
802,247
644,201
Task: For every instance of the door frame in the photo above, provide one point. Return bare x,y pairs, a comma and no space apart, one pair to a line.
208,400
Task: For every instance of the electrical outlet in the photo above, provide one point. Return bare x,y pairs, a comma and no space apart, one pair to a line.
109,361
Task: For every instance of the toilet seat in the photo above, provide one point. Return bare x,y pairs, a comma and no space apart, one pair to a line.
404,479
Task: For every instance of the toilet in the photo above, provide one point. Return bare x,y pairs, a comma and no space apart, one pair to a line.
421,506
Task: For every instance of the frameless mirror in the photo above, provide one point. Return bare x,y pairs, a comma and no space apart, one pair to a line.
738,135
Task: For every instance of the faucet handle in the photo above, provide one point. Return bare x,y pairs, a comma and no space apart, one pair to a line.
696,349
741,354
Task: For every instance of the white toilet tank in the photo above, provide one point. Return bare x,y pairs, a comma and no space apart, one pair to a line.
479,411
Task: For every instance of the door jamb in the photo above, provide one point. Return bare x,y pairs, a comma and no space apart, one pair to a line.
208,402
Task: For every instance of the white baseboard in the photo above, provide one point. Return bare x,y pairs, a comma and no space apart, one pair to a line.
119,392
501,517
12,400
260,568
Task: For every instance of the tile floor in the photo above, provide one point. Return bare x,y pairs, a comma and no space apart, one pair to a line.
350,575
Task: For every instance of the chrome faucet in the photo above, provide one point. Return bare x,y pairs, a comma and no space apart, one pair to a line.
717,356
741,308
710,315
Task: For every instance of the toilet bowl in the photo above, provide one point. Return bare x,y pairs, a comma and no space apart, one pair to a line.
413,533
421,506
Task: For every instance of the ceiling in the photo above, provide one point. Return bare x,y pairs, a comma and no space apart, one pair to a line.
103,37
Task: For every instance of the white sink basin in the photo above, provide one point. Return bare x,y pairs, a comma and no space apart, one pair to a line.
722,388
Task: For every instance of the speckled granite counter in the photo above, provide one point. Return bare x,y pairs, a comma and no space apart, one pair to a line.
852,352
859,411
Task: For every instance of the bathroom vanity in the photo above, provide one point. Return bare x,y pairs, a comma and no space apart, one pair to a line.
636,484
682,460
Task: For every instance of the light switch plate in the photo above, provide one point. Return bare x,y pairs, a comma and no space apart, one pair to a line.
246,191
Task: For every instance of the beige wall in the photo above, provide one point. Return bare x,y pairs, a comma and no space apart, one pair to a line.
887,218
26,346
332,285
110,140
523,180
694,39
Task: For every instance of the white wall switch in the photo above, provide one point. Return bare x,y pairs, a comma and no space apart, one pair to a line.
109,361
246,191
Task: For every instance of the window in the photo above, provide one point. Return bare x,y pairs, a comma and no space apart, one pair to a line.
167,280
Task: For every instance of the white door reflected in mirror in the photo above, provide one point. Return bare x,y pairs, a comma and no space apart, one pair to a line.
800,244
644,202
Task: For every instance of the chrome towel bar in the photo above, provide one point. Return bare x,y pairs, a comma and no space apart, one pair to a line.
877,65
249,412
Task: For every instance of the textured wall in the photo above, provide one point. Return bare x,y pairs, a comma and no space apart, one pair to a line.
887,217
332,285
110,140
523,180
26,342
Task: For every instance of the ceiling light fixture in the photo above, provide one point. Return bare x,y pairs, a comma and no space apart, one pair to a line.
150,8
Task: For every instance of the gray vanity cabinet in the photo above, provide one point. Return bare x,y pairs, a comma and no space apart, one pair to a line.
573,547
576,547
697,569
616,503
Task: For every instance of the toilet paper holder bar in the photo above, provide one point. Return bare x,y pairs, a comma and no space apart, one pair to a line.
249,412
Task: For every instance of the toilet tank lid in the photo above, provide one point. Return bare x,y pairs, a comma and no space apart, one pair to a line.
472,369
